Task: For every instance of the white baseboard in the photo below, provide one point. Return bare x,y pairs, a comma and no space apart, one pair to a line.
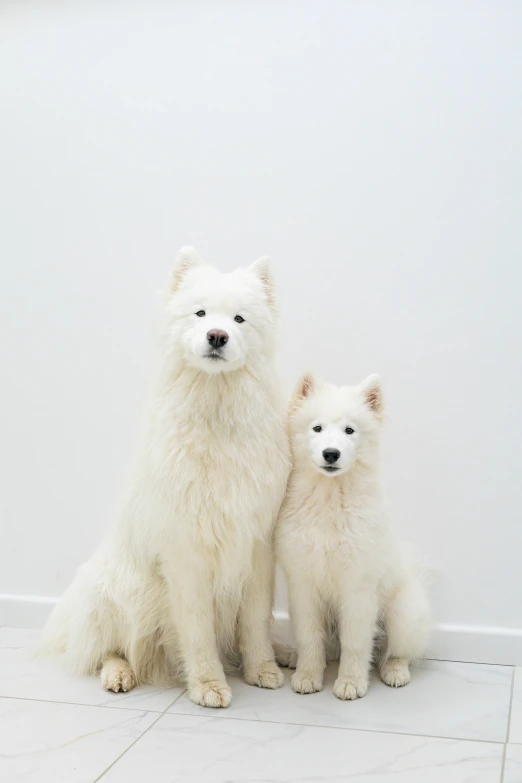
475,643
25,611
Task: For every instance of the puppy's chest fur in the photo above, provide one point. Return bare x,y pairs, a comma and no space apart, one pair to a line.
327,533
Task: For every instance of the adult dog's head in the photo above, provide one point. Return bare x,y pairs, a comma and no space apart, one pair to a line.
220,322
332,428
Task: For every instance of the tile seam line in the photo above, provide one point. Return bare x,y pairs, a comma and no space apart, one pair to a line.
472,663
101,706
141,735
178,697
503,766
160,715
259,720
340,728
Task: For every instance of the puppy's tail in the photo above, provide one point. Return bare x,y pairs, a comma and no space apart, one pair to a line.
286,656
285,649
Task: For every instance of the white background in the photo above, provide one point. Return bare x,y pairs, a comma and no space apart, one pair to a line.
372,149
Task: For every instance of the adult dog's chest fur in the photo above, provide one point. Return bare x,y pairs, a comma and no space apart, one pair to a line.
234,474
224,461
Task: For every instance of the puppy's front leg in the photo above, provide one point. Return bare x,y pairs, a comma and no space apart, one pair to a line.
357,627
192,605
255,619
309,630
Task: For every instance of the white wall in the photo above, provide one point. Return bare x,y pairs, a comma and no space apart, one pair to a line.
372,149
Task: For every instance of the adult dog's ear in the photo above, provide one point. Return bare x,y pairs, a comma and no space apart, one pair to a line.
371,390
262,268
306,387
187,259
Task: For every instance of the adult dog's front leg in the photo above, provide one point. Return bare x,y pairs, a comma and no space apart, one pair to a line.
255,619
193,610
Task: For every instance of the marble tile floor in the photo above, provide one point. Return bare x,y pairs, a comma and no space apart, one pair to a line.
454,723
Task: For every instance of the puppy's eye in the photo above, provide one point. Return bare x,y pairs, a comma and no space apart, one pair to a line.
349,431
318,428
239,319
200,313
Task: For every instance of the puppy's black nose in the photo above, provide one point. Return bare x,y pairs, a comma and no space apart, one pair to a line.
331,455
217,338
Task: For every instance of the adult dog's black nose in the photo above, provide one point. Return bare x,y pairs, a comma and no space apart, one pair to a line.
217,338
331,455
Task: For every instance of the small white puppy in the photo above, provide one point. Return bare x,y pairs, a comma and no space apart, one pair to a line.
347,576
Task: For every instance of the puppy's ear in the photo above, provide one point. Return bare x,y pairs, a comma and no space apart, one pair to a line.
371,390
187,259
306,387
262,268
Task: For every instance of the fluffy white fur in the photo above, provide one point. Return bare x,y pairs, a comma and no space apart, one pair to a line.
184,582
349,580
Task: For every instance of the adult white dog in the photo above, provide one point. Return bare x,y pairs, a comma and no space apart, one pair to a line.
185,579
347,575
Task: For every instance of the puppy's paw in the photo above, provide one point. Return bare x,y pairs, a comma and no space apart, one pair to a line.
348,688
306,682
395,673
117,675
267,675
214,693
286,656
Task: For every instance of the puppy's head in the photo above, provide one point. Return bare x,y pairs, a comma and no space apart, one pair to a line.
220,322
332,427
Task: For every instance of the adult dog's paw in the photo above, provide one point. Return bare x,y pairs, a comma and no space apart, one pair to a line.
395,673
267,675
348,688
117,675
306,682
214,693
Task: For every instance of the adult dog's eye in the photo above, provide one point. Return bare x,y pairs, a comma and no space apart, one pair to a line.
349,431
200,313
239,319
318,428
